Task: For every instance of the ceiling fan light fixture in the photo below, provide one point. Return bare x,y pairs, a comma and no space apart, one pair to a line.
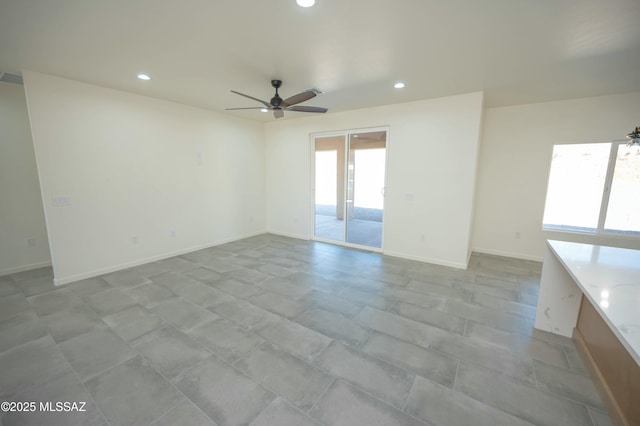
306,3
144,77
399,85
264,110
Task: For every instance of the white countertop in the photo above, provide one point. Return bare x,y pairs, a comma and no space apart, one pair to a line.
610,278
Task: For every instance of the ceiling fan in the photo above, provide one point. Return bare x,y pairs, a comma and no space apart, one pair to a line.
279,105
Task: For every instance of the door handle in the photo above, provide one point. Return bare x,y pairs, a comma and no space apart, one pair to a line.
383,190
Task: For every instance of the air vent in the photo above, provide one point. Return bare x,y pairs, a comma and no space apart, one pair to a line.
6,77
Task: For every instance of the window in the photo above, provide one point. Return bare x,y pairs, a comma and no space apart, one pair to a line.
594,188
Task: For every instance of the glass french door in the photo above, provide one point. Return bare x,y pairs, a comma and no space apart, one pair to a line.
349,187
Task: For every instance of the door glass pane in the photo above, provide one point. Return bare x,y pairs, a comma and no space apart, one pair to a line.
623,212
365,188
329,188
576,183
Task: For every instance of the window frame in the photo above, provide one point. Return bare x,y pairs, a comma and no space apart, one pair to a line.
604,200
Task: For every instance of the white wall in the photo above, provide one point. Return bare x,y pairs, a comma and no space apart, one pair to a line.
432,153
515,158
130,166
21,214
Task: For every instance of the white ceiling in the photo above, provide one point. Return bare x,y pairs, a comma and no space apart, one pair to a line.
517,51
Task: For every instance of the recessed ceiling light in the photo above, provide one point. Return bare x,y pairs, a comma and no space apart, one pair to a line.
264,110
306,3
399,85
144,77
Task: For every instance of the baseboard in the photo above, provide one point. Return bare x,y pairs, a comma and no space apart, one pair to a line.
16,269
615,413
290,235
506,254
107,270
457,265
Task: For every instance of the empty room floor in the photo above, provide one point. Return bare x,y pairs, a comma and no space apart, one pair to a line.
276,331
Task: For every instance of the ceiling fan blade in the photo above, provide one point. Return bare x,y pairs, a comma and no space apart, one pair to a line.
278,113
307,109
251,97
296,99
233,109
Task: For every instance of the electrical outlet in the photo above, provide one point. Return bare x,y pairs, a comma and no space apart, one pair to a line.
31,242
172,233
135,239
422,238
518,235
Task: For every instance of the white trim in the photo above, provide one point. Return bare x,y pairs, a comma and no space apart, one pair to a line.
521,256
433,261
290,235
102,271
29,267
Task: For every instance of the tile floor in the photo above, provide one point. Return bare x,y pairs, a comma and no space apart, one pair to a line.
276,331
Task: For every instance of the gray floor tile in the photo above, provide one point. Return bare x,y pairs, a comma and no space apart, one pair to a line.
12,305
182,314
125,278
518,399
276,270
518,345
575,360
8,288
368,298
245,314
497,319
133,393
31,364
333,325
92,353
62,390
339,289
35,286
109,301
176,264
402,328
133,322
507,306
149,295
88,287
385,381
432,317
236,288
185,414
20,329
442,406
32,274
294,338
297,381
439,290
600,418
284,287
332,303
227,396
281,413
170,351
66,324
54,301
227,340
204,275
278,304
344,405
430,364
567,384
246,275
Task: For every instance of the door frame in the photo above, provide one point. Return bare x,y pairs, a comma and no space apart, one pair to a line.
347,134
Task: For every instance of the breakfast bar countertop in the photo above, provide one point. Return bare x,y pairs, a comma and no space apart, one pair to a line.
610,278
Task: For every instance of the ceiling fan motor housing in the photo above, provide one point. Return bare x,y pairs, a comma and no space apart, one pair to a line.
276,100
